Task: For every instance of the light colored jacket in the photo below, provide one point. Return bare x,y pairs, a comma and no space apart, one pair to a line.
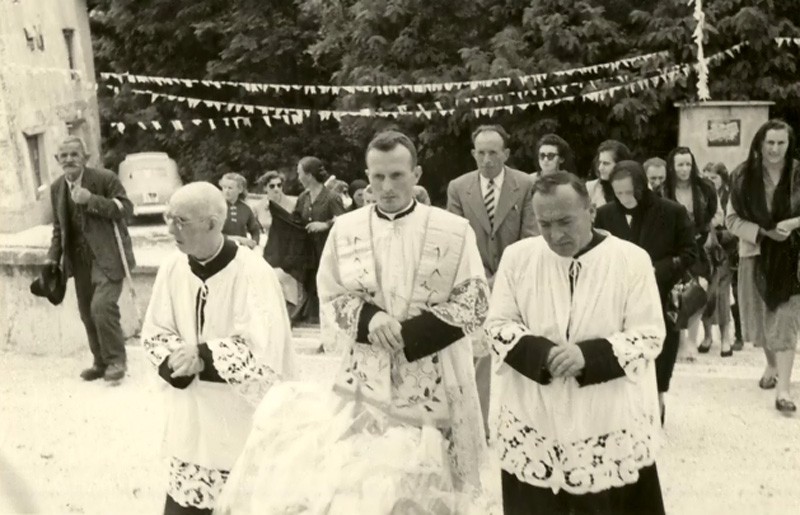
514,218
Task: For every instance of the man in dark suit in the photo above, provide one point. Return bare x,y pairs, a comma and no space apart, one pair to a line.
496,200
662,228
87,202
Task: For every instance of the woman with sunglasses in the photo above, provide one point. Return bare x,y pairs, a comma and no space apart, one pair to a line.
554,155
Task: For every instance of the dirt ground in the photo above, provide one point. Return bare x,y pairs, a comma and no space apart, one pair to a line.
93,448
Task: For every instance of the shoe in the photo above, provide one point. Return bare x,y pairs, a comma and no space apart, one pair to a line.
726,353
768,383
115,372
90,374
785,406
737,345
703,348
663,414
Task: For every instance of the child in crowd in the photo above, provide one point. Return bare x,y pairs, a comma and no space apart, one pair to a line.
241,220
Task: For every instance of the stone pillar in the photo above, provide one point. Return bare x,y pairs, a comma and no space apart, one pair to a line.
720,131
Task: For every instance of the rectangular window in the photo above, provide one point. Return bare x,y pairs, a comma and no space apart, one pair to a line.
36,154
69,36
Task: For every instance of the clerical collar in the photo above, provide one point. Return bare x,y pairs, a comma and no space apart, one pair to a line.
396,216
208,268
597,239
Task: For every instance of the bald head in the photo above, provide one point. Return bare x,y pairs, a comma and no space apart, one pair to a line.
196,215
200,200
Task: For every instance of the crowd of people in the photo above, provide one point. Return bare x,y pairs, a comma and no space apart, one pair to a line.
538,315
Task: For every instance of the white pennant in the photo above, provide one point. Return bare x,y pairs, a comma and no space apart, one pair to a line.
121,127
267,121
212,124
156,125
177,125
142,125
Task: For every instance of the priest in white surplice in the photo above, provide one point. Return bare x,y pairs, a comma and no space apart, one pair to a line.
400,431
218,333
576,324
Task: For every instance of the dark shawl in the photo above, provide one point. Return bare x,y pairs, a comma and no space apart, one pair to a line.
288,244
776,265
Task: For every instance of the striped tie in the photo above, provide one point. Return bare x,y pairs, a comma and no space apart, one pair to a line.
488,199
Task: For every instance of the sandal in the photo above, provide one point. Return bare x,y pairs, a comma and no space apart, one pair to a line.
785,406
768,383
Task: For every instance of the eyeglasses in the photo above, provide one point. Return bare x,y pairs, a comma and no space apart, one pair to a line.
549,156
273,185
179,222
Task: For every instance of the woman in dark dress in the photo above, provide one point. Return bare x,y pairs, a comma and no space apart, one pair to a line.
662,228
685,186
316,207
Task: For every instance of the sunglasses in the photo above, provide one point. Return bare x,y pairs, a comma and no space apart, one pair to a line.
273,185
548,156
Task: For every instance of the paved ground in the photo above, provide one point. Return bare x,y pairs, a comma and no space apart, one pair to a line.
94,448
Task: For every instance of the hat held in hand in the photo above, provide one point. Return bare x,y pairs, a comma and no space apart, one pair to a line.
51,284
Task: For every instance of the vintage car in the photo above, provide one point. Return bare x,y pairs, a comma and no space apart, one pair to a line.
150,178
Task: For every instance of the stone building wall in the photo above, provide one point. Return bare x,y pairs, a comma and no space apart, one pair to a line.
46,93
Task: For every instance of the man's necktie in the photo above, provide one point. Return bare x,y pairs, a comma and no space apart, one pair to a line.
488,199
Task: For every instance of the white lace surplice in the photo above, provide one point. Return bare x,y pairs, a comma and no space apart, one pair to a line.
247,330
562,435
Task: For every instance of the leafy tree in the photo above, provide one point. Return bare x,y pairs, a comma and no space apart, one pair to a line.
411,41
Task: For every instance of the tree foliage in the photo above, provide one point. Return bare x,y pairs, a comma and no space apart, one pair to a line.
407,41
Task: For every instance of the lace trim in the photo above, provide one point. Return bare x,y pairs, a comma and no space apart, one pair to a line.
634,351
239,368
191,485
346,311
467,305
159,347
592,465
504,336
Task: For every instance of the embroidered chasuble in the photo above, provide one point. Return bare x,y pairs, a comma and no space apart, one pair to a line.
399,432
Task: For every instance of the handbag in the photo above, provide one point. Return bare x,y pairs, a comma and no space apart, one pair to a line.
690,298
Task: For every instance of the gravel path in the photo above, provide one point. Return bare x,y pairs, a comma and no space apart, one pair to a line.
94,448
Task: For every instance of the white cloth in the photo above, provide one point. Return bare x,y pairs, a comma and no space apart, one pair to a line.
247,330
425,260
561,435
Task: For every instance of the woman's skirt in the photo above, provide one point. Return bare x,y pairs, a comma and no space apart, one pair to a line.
777,330
719,302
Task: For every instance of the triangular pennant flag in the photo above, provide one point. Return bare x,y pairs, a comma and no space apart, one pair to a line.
227,122
177,125
156,125
267,121
142,125
197,122
246,122
212,124
324,115
235,122
121,127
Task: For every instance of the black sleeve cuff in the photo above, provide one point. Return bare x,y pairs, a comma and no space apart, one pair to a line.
601,364
209,372
367,312
426,334
180,383
529,358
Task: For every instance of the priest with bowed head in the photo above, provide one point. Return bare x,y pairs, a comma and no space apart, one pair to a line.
576,324
218,335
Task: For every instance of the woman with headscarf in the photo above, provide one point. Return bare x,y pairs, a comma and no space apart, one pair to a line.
316,208
609,153
685,186
662,228
764,212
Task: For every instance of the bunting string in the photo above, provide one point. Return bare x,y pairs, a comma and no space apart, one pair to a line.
382,89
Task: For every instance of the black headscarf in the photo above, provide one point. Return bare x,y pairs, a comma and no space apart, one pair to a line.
642,194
